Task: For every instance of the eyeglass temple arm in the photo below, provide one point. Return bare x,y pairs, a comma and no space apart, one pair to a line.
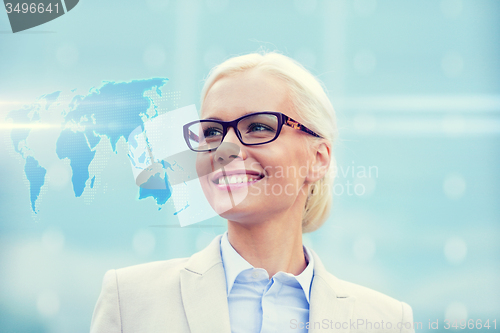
193,136
296,125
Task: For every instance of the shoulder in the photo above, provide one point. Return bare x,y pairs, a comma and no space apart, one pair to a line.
144,276
368,296
147,297
364,296
164,275
139,296
149,281
373,306
153,269
365,305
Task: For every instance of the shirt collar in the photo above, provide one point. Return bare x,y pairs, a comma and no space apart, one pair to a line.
305,278
234,264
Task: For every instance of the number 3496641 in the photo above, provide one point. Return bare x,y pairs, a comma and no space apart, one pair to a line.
470,324
31,8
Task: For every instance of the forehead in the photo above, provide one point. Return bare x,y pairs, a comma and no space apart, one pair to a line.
234,96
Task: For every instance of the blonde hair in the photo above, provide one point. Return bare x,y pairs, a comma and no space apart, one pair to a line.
310,102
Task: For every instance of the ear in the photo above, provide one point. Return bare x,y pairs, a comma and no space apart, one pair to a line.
321,156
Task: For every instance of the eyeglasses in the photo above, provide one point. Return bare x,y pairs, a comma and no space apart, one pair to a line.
252,129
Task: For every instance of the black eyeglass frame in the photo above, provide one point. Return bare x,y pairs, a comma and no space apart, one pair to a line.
282,120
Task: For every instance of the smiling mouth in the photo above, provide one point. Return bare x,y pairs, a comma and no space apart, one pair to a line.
238,179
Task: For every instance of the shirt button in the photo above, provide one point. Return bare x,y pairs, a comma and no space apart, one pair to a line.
255,274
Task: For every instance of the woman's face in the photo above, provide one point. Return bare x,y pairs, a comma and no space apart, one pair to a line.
275,172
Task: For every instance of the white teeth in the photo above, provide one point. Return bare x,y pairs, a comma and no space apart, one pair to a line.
236,180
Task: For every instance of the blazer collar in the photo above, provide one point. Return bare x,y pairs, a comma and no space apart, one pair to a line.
330,302
204,294
203,289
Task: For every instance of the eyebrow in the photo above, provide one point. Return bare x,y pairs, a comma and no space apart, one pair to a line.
217,118
212,118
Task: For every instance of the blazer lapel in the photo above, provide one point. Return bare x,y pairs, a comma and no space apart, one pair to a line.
330,307
203,289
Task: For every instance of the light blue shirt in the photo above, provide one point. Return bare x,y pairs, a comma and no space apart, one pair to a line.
259,304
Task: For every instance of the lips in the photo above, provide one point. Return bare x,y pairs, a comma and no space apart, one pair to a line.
236,177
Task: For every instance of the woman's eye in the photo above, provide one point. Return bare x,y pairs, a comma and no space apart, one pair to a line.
255,127
210,132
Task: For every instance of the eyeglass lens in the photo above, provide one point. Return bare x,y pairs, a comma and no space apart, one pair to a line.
260,128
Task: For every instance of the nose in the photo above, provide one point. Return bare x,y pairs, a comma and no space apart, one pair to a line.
228,149
226,153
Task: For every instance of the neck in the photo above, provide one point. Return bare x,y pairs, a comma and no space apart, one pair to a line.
272,245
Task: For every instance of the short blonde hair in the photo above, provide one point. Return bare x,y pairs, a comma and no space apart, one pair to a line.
310,102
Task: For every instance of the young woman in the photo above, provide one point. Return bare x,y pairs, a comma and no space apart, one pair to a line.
269,123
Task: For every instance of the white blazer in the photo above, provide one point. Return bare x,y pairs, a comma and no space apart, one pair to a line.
189,295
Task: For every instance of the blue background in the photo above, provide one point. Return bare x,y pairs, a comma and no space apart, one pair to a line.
416,88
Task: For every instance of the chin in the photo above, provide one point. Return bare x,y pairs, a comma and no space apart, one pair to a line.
226,208
224,201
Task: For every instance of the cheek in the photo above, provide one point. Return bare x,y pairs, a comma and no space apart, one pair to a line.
289,166
205,186
204,165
